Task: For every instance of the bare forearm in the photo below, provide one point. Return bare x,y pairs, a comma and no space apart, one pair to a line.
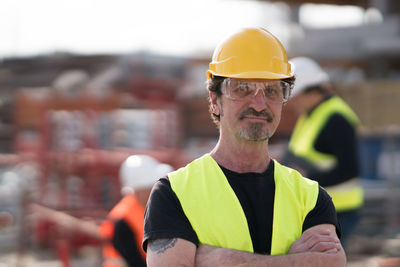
65,222
226,257
318,246
170,253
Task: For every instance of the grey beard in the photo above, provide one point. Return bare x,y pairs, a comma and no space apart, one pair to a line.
254,133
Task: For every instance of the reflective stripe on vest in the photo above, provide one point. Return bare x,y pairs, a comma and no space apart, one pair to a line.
217,217
348,195
132,212
301,144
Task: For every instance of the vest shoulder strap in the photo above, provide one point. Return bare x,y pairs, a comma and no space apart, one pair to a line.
211,205
295,197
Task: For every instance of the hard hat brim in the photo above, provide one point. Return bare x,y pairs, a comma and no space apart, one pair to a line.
251,75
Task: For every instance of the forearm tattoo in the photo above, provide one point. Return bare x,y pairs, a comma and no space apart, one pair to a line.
161,245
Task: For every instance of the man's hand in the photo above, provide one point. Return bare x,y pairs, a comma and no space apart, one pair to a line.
318,246
320,238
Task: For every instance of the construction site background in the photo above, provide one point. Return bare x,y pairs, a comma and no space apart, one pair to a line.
68,121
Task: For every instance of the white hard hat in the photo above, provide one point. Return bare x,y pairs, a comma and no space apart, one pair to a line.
308,73
141,171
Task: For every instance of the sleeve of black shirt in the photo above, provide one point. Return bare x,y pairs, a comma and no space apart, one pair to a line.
164,216
124,242
337,138
323,213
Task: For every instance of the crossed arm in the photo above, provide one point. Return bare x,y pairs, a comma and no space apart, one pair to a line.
318,246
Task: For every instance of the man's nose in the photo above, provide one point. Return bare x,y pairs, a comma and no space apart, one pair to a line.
258,100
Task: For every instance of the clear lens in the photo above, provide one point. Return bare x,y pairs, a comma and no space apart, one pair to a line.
276,91
286,89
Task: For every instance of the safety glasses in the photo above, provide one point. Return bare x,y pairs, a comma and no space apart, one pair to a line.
276,91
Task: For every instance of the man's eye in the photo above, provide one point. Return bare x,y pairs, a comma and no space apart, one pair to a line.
242,88
271,90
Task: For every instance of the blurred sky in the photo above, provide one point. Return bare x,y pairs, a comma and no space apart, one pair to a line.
176,27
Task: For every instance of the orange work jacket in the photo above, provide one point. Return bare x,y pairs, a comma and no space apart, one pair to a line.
132,212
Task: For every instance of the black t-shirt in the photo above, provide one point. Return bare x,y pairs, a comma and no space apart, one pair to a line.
164,216
124,242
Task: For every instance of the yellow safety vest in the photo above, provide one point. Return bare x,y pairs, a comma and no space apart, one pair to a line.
349,194
217,217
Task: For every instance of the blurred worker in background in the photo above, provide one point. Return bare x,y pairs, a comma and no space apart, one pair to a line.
235,205
122,231
323,145
124,225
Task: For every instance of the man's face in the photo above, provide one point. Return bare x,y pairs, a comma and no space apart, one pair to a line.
250,109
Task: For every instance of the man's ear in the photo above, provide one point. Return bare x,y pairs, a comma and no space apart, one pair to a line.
214,103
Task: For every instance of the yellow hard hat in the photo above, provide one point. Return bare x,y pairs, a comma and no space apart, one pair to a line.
252,53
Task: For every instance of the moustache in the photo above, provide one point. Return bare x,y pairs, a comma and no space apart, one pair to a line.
253,112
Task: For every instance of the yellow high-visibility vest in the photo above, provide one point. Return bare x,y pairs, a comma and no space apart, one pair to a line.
217,217
347,195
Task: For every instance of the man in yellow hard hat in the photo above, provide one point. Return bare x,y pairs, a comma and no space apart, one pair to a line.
323,145
236,205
